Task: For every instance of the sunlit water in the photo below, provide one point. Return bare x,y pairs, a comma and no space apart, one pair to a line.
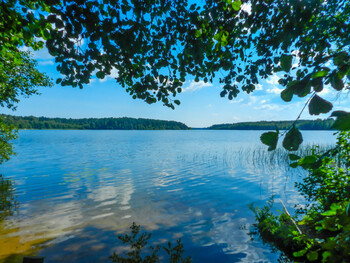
77,190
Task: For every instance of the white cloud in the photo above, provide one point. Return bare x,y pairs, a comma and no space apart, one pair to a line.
46,62
235,101
273,80
274,90
194,86
252,100
258,87
273,107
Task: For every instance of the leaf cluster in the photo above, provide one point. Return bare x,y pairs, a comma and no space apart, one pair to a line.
154,46
322,228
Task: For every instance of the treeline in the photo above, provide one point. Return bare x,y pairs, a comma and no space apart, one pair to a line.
273,125
124,123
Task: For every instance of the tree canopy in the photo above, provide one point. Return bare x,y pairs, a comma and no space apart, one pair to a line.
156,45
124,123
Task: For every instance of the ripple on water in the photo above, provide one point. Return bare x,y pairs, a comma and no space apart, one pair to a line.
78,189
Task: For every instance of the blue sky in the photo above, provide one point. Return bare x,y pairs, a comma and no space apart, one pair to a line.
201,104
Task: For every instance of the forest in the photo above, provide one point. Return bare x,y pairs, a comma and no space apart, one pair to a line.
277,125
124,123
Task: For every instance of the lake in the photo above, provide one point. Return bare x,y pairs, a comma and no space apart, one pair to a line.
76,191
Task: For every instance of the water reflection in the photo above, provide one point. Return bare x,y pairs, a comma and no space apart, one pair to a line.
89,186
14,245
8,204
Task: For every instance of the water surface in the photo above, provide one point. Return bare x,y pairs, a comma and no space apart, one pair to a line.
77,190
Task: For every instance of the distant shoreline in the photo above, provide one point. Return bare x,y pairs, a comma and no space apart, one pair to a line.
126,123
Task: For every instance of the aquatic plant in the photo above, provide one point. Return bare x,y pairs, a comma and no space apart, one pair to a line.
319,231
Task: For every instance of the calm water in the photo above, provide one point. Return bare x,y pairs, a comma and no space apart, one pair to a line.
77,190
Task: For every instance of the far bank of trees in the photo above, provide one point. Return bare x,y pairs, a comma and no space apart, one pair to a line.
124,123
276,125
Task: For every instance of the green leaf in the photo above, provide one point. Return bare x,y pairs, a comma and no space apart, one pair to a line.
300,253
317,84
329,213
326,255
292,140
286,62
198,33
340,58
294,165
307,160
342,123
336,82
236,5
318,105
100,74
320,73
293,157
301,88
312,255
287,94
270,139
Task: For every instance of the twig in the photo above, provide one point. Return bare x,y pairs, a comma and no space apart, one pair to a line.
302,110
285,209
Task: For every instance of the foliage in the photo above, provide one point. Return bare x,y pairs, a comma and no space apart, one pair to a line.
319,231
92,123
138,244
19,77
156,45
7,133
276,125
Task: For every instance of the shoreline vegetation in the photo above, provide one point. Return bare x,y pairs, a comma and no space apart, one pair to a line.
126,123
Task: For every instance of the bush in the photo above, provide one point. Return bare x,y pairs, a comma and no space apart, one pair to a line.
319,231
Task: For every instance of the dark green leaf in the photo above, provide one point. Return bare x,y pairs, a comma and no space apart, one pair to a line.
294,165
336,82
270,139
317,84
340,58
292,140
318,105
312,255
293,157
342,123
286,62
301,88
100,74
287,94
